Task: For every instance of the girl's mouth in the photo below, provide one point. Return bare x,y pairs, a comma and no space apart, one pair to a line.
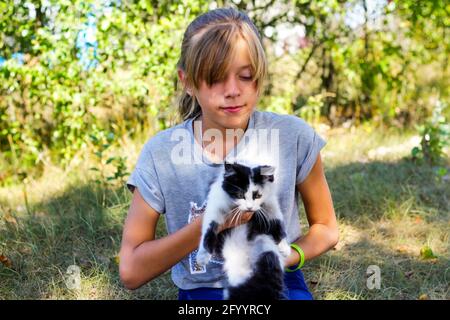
232,109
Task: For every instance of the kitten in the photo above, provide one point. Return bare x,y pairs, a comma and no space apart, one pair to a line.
253,252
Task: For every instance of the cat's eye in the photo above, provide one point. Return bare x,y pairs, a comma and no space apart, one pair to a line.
256,195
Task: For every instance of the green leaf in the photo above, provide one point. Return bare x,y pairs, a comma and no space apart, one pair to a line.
441,171
426,253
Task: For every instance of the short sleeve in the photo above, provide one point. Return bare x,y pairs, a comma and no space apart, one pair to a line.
309,145
145,178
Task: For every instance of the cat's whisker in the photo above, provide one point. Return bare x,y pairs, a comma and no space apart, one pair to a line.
235,217
264,217
265,214
235,210
266,223
240,214
232,214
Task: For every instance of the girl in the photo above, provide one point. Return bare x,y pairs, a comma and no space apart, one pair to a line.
222,68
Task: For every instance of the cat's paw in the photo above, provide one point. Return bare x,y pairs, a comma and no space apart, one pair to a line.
285,248
203,257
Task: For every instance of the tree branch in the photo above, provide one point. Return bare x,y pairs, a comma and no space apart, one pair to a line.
302,69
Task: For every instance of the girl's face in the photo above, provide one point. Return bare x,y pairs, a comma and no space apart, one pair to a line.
230,102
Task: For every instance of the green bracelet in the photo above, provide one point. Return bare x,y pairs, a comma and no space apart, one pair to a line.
302,258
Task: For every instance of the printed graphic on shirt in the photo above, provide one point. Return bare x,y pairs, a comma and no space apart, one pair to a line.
194,213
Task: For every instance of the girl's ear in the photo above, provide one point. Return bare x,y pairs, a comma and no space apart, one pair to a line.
182,77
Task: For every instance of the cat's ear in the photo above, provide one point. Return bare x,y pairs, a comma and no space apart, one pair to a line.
267,173
229,169
233,168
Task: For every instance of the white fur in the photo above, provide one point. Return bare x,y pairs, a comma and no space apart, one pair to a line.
236,253
218,204
240,255
264,243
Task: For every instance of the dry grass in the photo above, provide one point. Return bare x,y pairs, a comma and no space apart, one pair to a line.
388,209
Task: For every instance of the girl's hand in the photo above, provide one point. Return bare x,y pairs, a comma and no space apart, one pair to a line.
235,219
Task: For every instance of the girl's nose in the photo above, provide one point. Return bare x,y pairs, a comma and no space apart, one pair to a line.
231,88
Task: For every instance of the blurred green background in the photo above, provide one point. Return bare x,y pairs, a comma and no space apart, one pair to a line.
72,69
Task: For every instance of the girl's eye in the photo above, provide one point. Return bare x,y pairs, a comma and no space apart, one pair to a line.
215,82
246,78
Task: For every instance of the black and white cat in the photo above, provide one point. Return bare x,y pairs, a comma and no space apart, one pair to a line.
253,252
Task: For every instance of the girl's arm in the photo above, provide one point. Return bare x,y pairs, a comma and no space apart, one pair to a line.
142,257
323,231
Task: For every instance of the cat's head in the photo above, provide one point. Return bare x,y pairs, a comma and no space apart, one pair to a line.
248,186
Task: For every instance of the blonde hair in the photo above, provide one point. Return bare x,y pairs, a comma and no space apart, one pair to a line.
208,44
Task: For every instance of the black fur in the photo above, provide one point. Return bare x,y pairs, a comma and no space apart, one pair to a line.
210,241
259,178
266,283
259,225
221,240
236,181
237,178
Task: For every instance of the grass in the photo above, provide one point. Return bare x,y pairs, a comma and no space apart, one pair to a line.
388,209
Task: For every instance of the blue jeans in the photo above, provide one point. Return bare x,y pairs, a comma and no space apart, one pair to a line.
295,289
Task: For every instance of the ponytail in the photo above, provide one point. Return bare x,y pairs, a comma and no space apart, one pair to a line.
188,106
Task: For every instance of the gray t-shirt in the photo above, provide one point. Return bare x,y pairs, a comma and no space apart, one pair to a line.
178,189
